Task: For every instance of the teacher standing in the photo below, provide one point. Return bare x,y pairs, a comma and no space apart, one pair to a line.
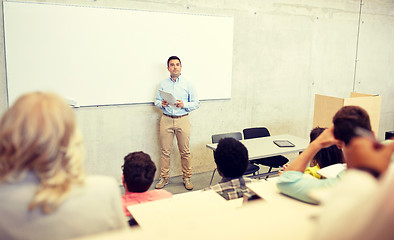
175,121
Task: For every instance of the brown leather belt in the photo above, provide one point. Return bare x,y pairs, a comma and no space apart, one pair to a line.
174,116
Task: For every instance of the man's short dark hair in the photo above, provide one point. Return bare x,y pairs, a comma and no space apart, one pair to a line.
172,58
231,158
138,171
347,119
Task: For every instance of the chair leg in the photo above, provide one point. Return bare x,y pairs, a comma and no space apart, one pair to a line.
258,172
213,174
268,172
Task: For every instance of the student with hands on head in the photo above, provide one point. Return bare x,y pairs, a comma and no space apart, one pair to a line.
326,139
346,121
323,158
368,155
291,182
363,197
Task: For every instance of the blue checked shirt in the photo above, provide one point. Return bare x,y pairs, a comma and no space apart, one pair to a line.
182,90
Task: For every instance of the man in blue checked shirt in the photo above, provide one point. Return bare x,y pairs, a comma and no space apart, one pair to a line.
175,121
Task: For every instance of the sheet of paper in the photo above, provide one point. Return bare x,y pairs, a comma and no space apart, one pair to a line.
168,97
332,171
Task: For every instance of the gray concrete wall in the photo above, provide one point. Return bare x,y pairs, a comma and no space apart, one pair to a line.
284,52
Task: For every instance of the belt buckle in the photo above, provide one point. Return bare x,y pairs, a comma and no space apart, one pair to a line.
173,116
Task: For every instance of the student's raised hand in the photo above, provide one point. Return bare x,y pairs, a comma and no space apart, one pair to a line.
326,138
362,152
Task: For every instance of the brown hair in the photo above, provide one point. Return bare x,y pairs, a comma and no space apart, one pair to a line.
138,171
347,119
173,58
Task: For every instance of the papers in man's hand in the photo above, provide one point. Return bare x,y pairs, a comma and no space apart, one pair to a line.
168,97
332,171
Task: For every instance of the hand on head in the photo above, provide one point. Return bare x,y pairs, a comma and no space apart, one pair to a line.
362,152
326,138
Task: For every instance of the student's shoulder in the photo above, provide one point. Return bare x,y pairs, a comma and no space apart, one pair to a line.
160,192
186,81
102,181
104,188
164,81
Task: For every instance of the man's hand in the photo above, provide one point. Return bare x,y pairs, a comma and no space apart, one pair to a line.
164,103
179,104
363,152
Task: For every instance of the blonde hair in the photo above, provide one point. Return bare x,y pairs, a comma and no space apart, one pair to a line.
39,134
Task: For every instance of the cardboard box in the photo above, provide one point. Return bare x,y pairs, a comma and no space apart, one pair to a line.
326,107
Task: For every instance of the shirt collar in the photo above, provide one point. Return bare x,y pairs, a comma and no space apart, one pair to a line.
177,80
226,179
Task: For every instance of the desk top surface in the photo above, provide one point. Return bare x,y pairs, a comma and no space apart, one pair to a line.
265,147
204,215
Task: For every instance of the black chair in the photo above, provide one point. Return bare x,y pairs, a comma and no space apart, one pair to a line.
274,161
252,168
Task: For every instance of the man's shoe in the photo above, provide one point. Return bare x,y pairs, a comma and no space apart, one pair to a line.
188,184
162,182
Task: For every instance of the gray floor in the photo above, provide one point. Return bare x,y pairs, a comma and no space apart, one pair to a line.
175,185
200,181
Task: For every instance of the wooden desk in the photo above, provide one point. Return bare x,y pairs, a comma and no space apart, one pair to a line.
265,147
160,213
267,190
200,215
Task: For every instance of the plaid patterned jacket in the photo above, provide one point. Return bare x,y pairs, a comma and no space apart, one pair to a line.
232,188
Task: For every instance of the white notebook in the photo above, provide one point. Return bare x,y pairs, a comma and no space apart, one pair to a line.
332,171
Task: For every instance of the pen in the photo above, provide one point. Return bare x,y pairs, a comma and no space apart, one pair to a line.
362,132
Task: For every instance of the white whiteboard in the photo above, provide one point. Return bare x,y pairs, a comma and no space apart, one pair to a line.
100,56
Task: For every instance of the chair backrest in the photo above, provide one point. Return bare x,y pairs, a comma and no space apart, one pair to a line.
255,132
216,138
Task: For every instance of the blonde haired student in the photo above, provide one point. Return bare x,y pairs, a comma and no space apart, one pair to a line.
44,192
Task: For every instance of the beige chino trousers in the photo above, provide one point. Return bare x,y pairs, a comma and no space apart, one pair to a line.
180,127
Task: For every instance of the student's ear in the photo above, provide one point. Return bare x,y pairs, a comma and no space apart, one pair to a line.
340,144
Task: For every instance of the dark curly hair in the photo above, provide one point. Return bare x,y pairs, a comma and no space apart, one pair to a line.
231,158
138,171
